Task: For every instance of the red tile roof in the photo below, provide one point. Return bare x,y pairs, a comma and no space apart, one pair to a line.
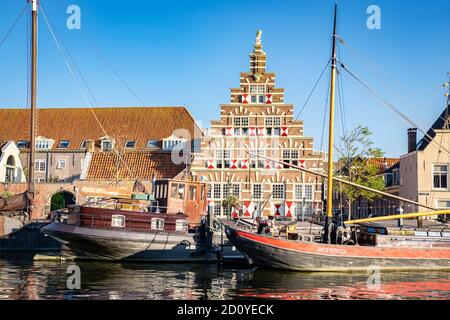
145,165
77,124
383,164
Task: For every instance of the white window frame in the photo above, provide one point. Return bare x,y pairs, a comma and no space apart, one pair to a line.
38,165
433,171
59,162
118,221
257,88
156,224
181,225
106,141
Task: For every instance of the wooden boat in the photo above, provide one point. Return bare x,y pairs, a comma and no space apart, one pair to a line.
340,247
383,251
140,230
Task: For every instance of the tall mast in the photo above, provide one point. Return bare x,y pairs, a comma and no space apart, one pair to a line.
34,8
331,133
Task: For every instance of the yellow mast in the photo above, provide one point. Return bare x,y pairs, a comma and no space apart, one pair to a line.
331,134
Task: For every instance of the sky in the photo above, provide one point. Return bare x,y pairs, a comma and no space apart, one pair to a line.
190,52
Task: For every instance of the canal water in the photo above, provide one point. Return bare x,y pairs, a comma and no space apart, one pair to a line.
23,278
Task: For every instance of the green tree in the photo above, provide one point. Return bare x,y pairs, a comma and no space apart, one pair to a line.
354,151
229,203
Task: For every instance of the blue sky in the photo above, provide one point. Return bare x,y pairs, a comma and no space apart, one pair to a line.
190,52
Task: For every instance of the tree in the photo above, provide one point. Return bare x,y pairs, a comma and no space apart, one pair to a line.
354,151
229,203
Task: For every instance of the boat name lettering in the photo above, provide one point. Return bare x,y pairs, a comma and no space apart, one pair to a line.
332,251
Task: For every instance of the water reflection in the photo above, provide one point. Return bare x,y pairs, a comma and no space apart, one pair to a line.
23,278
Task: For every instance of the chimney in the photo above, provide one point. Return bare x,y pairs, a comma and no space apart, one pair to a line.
412,139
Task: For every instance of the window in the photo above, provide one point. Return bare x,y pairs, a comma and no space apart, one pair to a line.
83,144
303,210
22,144
257,191
118,221
157,224
130,144
257,88
217,209
440,176
152,144
202,193
61,164
443,204
10,169
272,121
169,144
298,192
303,192
234,188
106,145
223,157
181,225
240,121
43,143
63,144
253,99
192,192
278,191
177,191
40,165
216,190
260,99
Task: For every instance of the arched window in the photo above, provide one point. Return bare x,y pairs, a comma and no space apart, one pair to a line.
157,224
118,221
11,162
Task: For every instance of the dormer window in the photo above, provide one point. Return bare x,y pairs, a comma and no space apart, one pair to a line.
83,144
63,144
43,143
106,145
22,144
173,143
152,144
130,144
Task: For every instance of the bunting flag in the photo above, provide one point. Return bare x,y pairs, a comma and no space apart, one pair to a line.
244,98
233,164
261,131
228,131
247,209
268,98
252,131
267,164
244,164
278,209
302,164
288,208
211,164
284,131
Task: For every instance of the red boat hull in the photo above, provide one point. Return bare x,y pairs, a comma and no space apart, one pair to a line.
278,253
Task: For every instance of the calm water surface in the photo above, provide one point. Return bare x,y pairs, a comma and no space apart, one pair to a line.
23,278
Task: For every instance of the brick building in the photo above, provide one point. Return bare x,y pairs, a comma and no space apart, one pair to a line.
258,121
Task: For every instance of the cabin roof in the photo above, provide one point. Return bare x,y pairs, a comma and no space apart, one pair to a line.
145,165
139,124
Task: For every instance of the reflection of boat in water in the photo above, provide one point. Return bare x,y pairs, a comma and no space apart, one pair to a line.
142,230
349,245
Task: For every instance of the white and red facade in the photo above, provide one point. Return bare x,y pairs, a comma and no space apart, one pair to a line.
257,120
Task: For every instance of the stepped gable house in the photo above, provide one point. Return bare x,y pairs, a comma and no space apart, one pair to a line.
258,120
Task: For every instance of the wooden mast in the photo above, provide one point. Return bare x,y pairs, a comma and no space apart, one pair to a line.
329,216
31,187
